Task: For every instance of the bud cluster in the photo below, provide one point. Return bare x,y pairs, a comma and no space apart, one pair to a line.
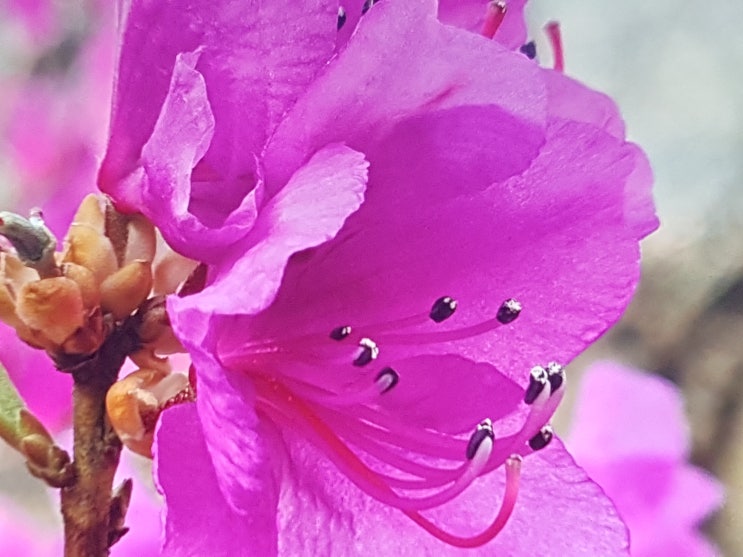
67,302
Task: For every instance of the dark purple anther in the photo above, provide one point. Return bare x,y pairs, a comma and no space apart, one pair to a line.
368,4
443,309
541,439
509,311
484,430
538,379
529,50
556,374
339,333
341,17
368,353
392,377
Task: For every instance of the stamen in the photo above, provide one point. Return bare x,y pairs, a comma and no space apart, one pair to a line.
360,473
484,431
513,474
341,17
541,439
494,15
443,309
509,311
556,375
529,50
538,380
367,5
553,34
387,379
369,351
339,333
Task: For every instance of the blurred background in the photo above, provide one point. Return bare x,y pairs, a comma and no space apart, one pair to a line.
675,70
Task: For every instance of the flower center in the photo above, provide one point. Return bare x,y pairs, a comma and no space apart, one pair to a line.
403,465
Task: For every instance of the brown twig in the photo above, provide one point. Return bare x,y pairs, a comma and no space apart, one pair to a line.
87,503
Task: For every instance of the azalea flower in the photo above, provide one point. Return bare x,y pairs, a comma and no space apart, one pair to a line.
638,451
374,206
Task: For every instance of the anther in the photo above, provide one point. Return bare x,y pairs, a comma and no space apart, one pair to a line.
443,309
529,50
367,5
556,375
339,333
368,353
387,379
483,431
538,380
509,311
541,439
341,17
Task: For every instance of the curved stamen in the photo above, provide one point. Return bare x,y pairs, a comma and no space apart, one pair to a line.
513,474
358,471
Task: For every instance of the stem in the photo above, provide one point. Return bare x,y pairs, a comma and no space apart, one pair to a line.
91,524
86,505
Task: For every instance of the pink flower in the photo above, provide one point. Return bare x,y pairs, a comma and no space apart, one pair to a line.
334,179
638,452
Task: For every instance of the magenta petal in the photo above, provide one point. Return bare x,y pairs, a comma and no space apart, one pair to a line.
161,187
571,100
198,520
308,211
430,386
560,245
257,57
638,453
401,62
556,497
649,422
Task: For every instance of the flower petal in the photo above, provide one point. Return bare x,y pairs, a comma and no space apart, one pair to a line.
257,58
162,185
554,237
650,422
559,512
308,211
431,386
198,520
401,61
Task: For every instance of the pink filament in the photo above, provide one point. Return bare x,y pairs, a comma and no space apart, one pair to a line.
513,475
555,37
277,400
494,15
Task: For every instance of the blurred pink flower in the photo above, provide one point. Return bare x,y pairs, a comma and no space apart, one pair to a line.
631,435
